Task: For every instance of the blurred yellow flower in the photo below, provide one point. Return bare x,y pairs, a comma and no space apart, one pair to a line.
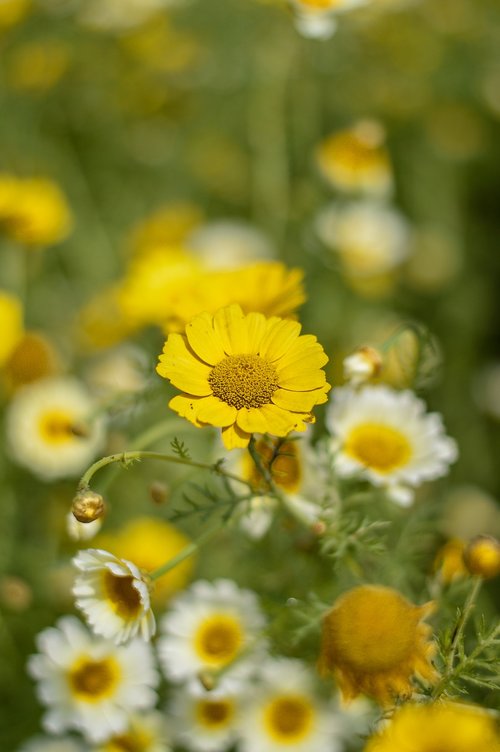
355,159
449,562
443,727
38,66
374,641
31,359
245,373
33,211
12,12
150,542
482,556
166,227
11,325
101,322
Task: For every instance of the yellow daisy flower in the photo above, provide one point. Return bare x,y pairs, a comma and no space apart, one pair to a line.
482,556
374,641
447,727
245,374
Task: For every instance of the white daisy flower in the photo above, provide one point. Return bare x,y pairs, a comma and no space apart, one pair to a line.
316,19
52,744
114,596
147,732
122,370
50,429
229,243
89,684
79,531
386,437
210,627
205,721
284,713
368,237
295,470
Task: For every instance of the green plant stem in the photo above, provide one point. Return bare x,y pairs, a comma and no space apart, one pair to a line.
186,552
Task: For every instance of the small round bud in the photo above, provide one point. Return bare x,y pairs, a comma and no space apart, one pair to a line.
159,492
88,506
482,556
364,364
207,680
318,528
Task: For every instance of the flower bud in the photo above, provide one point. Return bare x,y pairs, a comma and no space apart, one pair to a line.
482,556
362,365
207,680
88,506
159,492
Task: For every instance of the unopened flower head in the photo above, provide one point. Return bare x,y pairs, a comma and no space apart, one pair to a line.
149,542
362,365
482,556
284,712
88,506
386,437
374,641
50,429
210,627
206,721
449,562
114,596
356,159
89,684
246,374
146,732
447,727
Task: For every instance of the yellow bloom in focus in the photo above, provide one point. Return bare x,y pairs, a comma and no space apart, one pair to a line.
443,727
11,325
167,226
355,159
449,561
374,641
149,542
38,66
33,358
245,374
482,556
267,287
33,211
12,12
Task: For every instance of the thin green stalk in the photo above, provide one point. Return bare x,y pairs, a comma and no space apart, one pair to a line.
186,552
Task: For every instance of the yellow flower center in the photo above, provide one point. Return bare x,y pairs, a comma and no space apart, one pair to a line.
57,426
134,741
282,459
289,718
218,639
214,714
93,680
378,446
124,597
244,381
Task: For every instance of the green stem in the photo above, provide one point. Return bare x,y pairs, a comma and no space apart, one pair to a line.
136,455
186,552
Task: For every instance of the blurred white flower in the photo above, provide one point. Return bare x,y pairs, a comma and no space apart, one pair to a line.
208,628
89,684
113,595
50,428
205,721
386,437
229,243
362,365
122,370
316,18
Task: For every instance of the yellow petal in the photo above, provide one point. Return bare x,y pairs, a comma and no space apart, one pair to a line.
302,350
299,402
280,336
203,339
251,419
186,407
234,438
256,327
212,410
302,381
180,365
279,422
229,326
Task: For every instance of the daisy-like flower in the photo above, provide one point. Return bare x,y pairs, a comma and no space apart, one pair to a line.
209,627
356,159
89,684
317,18
52,744
374,642
246,374
205,721
147,732
385,436
49,429
447,727
114,596
294,469
285,713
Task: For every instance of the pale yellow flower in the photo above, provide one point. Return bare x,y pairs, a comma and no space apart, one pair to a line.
33,358
11,325
245,374
12,12
374,642
38,66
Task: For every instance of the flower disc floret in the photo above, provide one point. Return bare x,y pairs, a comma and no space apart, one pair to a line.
245,374
374,641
